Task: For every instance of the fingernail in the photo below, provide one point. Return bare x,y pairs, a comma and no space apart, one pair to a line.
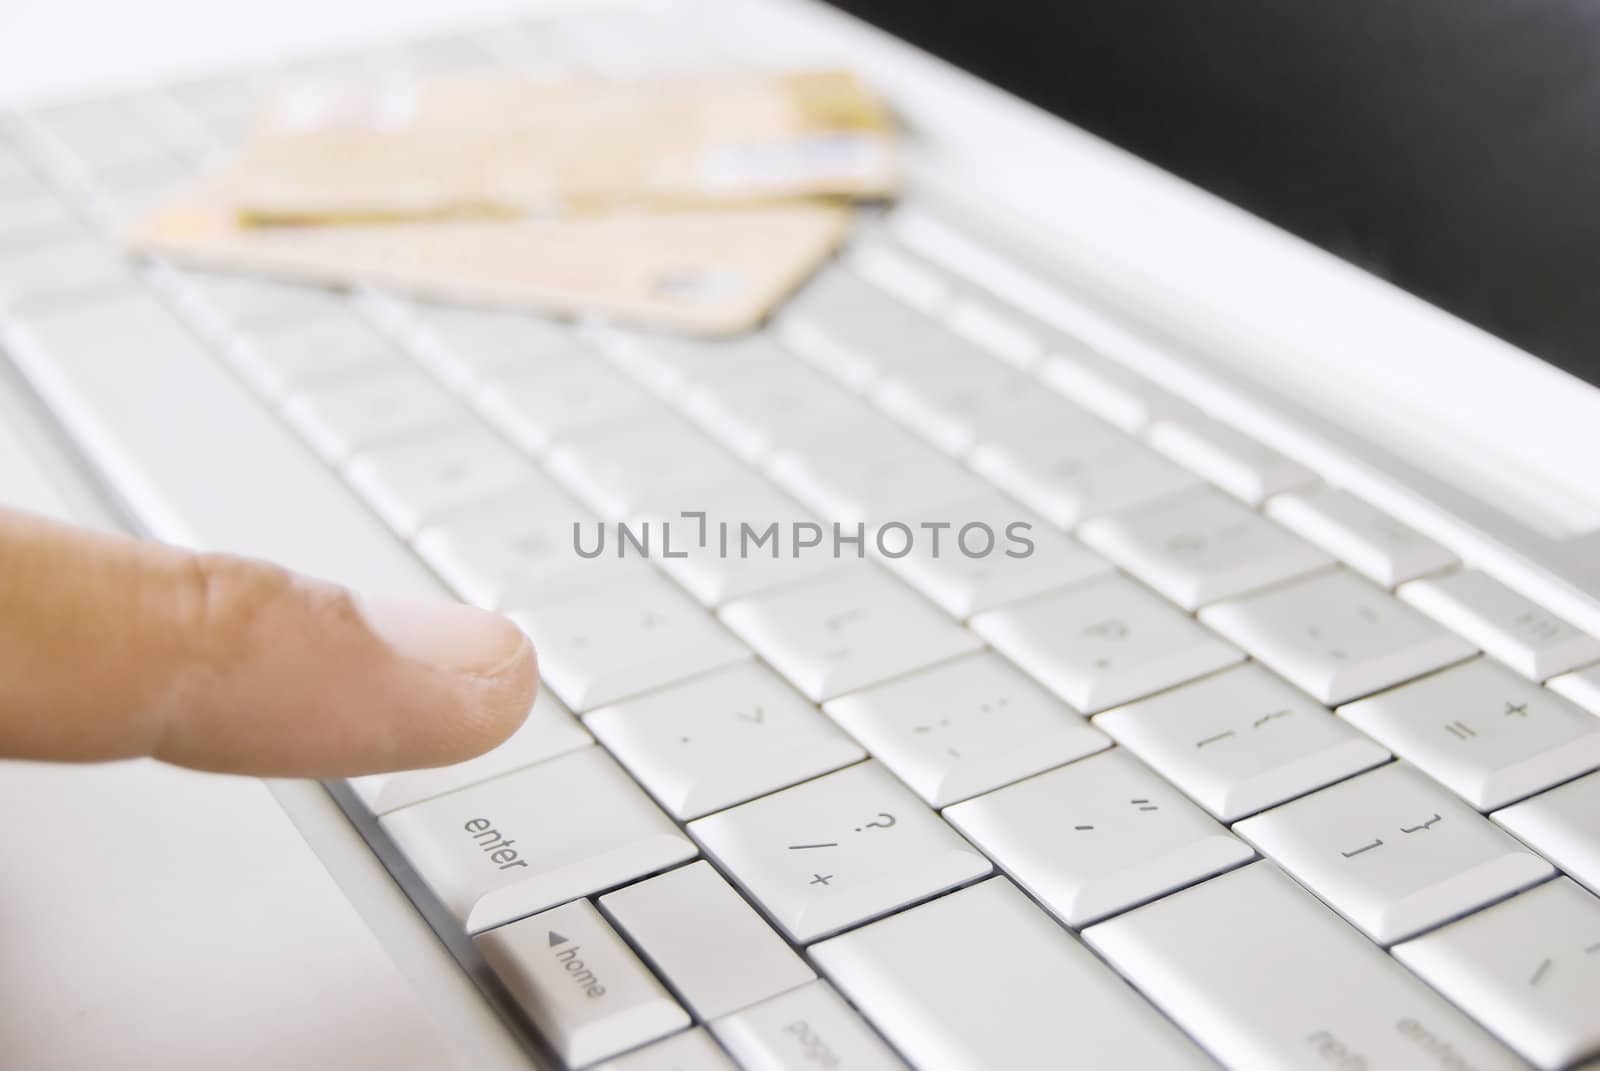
445,635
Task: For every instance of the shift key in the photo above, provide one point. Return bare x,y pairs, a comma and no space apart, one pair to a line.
517,844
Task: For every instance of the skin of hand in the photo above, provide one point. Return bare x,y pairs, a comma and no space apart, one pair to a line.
112,648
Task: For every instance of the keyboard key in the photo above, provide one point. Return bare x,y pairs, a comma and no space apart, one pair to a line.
517,549
869,474
297,355
115,134
419,480
1104,642
584,989
340,418
34,215
1528,969
1582,687
1482,732
1365,538
36,275
975,555
468,347
1336,636
1563,825
721,739
1197,549
1244,468
507,847
1097,836
1073,471
964,727
634,465
674,367
846,630
1241,741
1006,333
1507,625
756,413
612,642
805,1028
984,979
692,1050
228,303
728,544
538,408
1393,852
1111,391
700,935
834,852
894,271
955,407
1248,962
550,730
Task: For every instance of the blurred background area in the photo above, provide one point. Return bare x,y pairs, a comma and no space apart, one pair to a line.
1452,146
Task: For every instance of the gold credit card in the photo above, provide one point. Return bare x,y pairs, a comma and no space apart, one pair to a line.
712,273
507,145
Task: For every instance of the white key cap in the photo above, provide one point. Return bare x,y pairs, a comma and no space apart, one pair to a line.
1110,390
1079,470
34,216
1098,836
36,275
612,642
1006,554
846,630
1197,549
1266,978
692,1050
1582,687
1008,334
1563,825
722,561
110,367
550,730
566,827
1482,732
1336,636
675,367
518,550
1104,642
1393,852
958,406
1230,459
109,135
804,1029
837,851
965,727
915,282
721,739
228,303
854,331
700,935
638,464
1240,741
756,413
343,417
419,480
1509,626
1365,538
927,979
583,988
1528,969
299,355
538,408
869,474
467,347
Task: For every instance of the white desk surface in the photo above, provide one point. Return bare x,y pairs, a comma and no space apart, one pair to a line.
151,916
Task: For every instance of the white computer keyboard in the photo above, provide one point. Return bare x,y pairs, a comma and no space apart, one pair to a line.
852,810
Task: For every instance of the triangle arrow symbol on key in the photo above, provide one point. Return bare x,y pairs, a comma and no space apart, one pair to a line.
556,939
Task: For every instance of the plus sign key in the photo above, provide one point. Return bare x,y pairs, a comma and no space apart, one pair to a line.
837,851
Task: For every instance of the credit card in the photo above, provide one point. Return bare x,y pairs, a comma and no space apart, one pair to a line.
506,145
711,273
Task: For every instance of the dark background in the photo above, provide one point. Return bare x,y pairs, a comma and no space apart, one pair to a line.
1452,146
